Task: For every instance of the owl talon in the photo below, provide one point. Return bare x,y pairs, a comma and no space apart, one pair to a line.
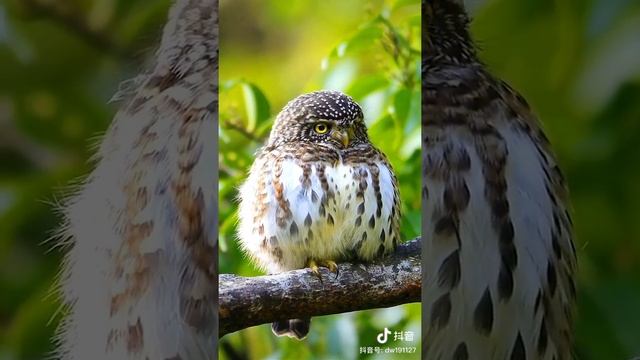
329,264
314,269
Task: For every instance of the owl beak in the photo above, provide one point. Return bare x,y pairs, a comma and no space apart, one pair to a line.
342,136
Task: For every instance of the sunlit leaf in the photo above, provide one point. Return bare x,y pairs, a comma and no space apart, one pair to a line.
256,105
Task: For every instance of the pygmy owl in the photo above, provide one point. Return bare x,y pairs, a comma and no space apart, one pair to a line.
500,259
317,193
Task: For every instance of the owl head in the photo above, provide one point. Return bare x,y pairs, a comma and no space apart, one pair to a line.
326,118
447,32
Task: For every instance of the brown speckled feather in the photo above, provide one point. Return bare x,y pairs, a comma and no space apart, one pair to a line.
500,256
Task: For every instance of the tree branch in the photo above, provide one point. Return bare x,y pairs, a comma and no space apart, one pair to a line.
394,280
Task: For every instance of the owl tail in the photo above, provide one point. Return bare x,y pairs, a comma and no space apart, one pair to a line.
293,328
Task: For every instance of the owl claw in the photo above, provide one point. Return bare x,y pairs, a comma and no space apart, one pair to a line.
314,269
329,264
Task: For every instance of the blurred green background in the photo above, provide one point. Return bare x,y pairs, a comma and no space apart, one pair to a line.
576,61
273,51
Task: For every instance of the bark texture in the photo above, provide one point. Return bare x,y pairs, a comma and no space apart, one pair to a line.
250,301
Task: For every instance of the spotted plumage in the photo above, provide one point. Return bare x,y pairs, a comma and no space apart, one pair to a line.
499,259
318,191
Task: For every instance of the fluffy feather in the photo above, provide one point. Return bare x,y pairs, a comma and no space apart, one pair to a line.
138,280
328,240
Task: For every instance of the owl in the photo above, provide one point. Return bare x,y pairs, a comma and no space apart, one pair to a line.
318,192
500,260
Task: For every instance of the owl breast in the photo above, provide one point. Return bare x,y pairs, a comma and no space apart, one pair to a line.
499,258
293,211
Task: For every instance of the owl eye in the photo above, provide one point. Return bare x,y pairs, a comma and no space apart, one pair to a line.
321,128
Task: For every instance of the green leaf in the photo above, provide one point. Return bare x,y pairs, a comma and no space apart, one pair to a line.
364,38
361,40
401,105
365,85
256,105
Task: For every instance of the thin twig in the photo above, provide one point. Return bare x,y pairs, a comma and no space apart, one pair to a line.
237,126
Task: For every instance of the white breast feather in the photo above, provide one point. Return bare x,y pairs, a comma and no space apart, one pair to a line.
531,214
329,242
